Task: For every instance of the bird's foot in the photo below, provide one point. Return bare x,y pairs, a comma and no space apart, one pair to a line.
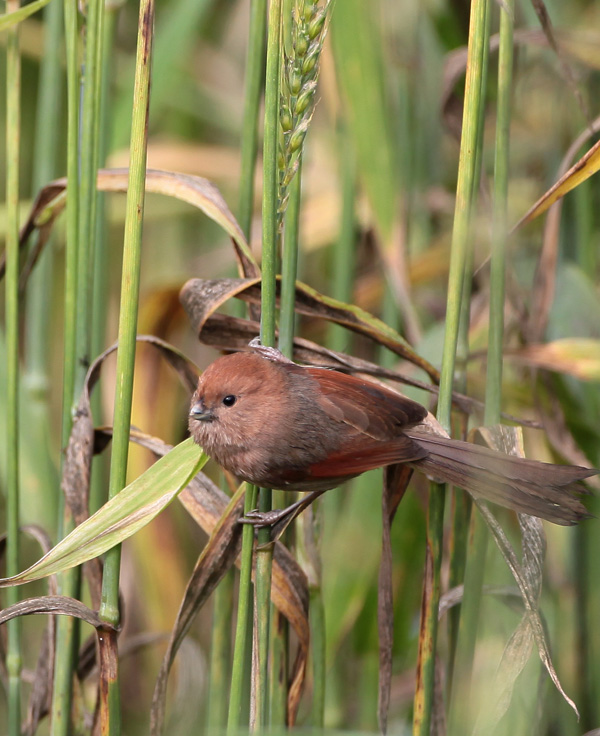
261,519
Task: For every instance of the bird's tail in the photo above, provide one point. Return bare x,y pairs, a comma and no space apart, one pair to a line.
541,489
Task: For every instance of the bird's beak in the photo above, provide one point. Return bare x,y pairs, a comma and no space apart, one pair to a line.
201,413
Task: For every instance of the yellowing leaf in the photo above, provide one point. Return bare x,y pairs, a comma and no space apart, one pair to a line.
579,172
122,516
577,356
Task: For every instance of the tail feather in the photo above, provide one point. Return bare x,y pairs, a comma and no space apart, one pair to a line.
541,489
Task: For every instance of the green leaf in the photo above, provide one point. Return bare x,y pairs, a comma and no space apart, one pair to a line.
7,20
125,514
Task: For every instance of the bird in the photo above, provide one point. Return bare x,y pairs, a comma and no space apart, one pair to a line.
281,425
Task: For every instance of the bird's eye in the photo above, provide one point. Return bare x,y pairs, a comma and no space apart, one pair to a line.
229,400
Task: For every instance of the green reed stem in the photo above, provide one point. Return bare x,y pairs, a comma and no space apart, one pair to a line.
493,388
68,583
474,574
244,607
279,639
39,316
11,296
254,84
264,556
270,172
89,154
470,537
424,697
220,654
100,268
289,268
71,42
477,554
130,285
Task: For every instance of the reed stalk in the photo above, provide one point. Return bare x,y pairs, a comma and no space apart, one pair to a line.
68,584
11,300
424,696
264,554
130,286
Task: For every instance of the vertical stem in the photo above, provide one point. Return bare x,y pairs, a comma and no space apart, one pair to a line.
264,557
289,270
68,582
241,631
476,562
220,655
318,642
129,292
109,608
270,188
46,144
88,198
424,696
71,41
13,124
493,388
254,82
469,539
99,478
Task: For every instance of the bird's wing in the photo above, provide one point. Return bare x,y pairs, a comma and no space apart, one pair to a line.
373,410
365,453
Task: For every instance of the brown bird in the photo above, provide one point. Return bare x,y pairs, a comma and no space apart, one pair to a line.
279,425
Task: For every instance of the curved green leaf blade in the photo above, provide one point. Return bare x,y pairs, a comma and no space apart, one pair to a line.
10,19
119,518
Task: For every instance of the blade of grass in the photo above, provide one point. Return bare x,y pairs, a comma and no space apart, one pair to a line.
424,696
15,15
122,516
11,296
130,285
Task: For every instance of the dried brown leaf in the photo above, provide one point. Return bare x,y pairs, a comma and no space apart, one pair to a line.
207,504
53,605
194,190
82,444
216,558
201,298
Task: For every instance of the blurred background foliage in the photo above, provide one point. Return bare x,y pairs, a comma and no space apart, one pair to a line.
384,129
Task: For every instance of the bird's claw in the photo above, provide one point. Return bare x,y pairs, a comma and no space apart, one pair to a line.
261,519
